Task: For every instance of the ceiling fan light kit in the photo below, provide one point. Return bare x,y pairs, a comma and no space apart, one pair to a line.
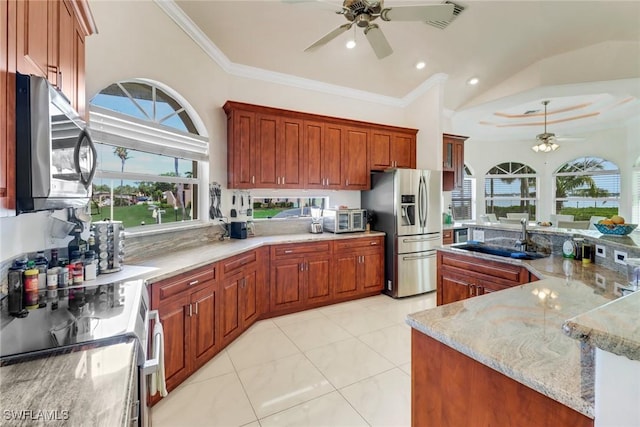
545,147
363,12
546,139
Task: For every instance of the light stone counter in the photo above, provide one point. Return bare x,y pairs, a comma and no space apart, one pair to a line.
519,331
613,327
87,387
178,262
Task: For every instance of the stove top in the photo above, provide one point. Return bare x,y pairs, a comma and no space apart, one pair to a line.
95,314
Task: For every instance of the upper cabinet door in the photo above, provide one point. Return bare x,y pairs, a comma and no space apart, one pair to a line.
355,169
266,152
404,150
380,150
290,153
313,148
240,145
34,24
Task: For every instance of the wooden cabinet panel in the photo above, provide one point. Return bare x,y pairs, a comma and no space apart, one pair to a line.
346,275
331,156
185,281
230,320
240,147
449,388
452,161
391,150
66,52
318,280
361,242
372,266
355,170
7,107
313,161
250,299
461,277
175,323
447,237
266,151
33,40
290,152
404,151
79,73
286,285
205,340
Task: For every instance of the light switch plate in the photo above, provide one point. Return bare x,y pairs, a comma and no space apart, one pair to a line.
601,251
620,257
478,235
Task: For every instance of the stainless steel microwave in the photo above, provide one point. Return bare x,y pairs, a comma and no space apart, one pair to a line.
344,220
55,156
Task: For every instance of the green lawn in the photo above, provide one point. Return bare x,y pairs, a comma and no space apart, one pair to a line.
132,216
267,213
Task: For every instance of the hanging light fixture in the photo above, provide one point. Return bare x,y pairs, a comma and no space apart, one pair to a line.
546,139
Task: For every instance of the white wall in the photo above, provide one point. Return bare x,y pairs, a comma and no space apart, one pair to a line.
619,145
617,390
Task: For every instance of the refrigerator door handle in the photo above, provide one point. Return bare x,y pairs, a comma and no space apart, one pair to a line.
409,258
422,202
421,239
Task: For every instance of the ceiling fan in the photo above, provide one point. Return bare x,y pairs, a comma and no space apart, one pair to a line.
362,13
547,140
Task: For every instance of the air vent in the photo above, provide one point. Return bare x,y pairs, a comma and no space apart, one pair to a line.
457,10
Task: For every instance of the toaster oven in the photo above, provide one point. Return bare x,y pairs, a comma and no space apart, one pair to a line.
344,220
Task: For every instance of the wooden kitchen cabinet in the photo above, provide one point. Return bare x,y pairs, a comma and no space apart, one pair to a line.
243,290
274,148
7,107
449,388
452,161
189,309
51,44
321,159
447,236
460,277
299,276
392,150
359,267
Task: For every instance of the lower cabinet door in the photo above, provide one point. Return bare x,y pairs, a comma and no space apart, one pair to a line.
250,303
205,324
454,288
372,274
174,317
287,284
318,282
230,321
346,276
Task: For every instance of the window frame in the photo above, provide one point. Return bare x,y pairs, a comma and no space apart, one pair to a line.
511,173
469,180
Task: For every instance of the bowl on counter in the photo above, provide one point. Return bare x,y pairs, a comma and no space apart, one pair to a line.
615,229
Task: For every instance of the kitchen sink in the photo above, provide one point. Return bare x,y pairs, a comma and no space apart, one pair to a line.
503,252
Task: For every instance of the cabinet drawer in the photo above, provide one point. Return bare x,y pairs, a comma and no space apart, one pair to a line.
189,280
505,271
231,265
292,250
365,242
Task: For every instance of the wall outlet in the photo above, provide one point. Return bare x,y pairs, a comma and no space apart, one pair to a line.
478,235
601,251
601,281
620,257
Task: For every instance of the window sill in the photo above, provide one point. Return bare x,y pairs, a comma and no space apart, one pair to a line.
142,231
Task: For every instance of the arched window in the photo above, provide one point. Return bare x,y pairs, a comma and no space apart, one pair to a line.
463,199
149,151
586,187
511,187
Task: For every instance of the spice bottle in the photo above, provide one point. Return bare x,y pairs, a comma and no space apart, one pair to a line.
42,264
30,281
90,265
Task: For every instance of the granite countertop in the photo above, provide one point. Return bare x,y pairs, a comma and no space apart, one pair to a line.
519,331
613,327
454,226
184,260
84,387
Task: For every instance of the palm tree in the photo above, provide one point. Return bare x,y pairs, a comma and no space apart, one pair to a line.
568,184
123,153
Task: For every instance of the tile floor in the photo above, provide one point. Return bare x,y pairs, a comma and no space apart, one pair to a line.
346,364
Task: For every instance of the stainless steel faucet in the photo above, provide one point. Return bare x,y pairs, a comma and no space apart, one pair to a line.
524,242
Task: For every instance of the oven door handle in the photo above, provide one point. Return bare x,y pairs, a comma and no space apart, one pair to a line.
151,365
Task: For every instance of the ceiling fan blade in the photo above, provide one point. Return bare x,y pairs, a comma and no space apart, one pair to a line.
330,36
568,138
378,41
432,12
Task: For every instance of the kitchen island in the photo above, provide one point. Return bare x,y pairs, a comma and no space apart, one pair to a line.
503,358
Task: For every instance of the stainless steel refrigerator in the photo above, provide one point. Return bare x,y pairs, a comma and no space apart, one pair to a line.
406,204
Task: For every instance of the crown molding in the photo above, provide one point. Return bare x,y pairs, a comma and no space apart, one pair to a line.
200,38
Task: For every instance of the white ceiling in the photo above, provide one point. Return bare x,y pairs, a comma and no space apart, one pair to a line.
493,40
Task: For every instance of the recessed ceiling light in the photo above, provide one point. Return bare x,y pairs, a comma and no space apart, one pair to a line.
351,44
473,81
420,65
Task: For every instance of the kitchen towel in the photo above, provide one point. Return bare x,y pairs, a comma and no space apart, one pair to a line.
158,383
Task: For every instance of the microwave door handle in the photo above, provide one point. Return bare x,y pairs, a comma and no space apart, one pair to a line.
84,135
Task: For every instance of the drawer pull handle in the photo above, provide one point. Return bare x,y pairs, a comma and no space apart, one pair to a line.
373,243
288,251
194,282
